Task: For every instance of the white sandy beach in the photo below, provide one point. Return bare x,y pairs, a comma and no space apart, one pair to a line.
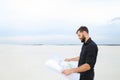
27,62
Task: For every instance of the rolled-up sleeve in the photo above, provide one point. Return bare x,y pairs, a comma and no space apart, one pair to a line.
91,55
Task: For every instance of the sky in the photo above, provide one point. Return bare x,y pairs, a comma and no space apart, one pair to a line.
56,21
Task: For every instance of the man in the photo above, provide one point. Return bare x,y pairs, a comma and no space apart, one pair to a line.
87,58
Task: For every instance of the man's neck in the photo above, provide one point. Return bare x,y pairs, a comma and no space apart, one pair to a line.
87,39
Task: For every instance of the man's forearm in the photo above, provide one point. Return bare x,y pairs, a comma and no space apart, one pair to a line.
75,58
82,68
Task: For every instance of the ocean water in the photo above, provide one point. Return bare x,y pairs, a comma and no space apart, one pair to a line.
27,62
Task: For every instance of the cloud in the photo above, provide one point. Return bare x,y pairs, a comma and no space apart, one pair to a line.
116,19
108,33
27,13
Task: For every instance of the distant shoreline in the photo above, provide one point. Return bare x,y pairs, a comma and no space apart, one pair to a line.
63,44
74,44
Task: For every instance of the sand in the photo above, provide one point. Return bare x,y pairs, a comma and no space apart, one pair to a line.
27,62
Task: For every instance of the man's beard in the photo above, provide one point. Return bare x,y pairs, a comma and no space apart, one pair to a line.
83,39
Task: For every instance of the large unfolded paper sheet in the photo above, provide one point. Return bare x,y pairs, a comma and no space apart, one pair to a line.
58,64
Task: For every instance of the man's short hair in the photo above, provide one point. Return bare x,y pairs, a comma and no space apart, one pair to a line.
82,28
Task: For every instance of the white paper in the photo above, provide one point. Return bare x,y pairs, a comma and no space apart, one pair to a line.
58,64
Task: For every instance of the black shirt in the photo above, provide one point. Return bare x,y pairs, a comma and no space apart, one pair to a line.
88,55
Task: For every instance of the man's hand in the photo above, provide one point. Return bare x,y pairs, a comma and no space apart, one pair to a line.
67,72
68,59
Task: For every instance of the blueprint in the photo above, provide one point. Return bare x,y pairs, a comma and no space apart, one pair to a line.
58,64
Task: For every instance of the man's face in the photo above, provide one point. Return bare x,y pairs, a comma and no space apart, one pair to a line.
81,36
